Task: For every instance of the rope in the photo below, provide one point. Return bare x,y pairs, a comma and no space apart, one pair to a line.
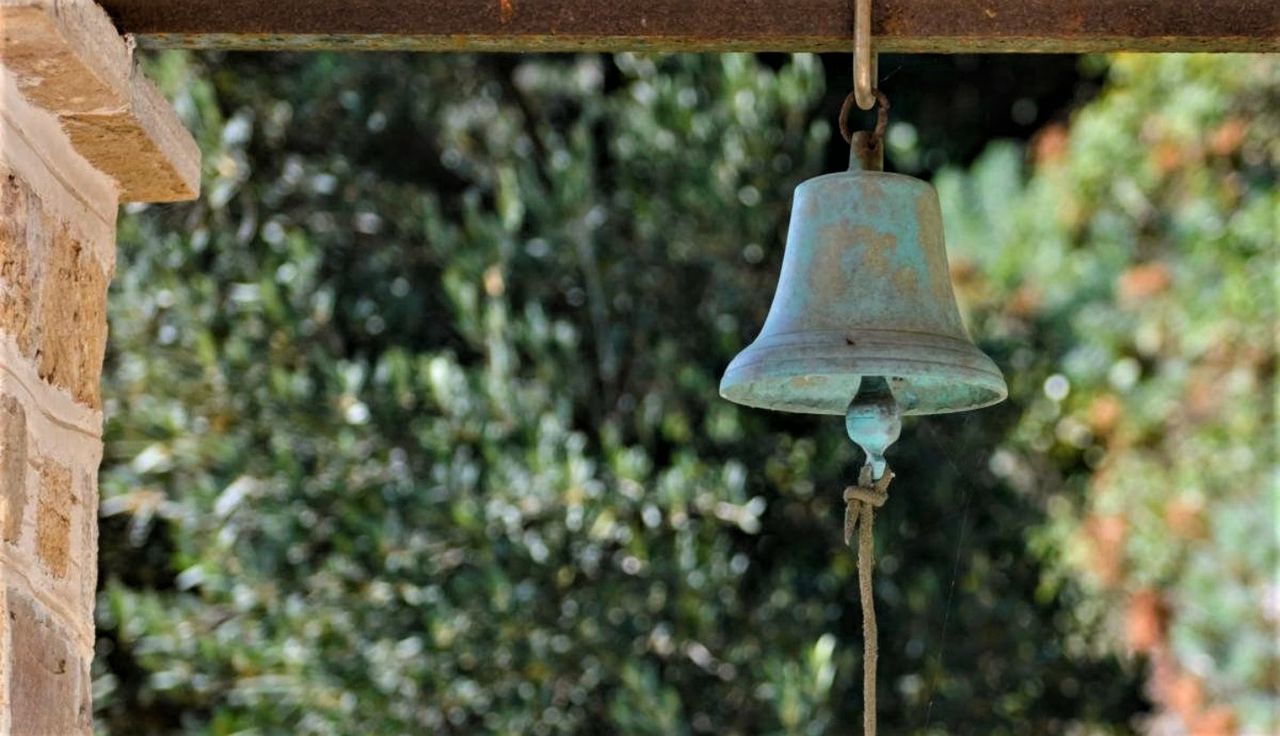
861,501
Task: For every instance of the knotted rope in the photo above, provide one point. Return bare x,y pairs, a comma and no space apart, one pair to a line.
861,501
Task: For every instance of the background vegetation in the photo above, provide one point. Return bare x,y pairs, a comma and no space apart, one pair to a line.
413,425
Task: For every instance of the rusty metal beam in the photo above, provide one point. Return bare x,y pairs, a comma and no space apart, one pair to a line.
946,26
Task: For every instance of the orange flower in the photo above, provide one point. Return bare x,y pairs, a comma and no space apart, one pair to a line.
1185,519
1143,281
1146,621
1186,697
1167,157
1049,146
1229,136
1219,720
1106,552
1104,412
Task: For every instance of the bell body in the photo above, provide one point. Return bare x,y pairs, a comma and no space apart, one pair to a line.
864,292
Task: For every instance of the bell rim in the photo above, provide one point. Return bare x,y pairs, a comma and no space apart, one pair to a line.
993,387
832,369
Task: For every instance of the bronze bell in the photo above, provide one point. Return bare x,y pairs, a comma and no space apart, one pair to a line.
864,293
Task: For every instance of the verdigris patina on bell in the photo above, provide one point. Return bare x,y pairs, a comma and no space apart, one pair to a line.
864,293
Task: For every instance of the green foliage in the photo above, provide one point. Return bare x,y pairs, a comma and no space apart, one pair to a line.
1135,273
413,427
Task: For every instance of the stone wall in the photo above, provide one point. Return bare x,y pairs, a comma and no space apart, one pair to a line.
80,131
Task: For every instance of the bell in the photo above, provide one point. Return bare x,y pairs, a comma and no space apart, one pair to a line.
864,294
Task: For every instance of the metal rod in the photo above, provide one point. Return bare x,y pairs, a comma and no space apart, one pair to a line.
899,26
864,62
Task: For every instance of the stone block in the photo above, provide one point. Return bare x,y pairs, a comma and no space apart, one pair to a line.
18,214
48,682
69,59
54,512
13,466
73,319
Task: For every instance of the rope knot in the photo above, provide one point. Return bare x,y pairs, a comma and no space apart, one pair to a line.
867,495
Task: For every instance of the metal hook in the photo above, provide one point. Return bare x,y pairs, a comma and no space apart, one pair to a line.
882,116
864,62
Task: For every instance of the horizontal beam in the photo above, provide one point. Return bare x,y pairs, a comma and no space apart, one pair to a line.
902,26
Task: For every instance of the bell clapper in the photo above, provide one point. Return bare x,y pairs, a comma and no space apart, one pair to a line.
874,421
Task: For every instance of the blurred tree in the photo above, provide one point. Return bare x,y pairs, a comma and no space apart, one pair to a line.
1134,277
413,427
